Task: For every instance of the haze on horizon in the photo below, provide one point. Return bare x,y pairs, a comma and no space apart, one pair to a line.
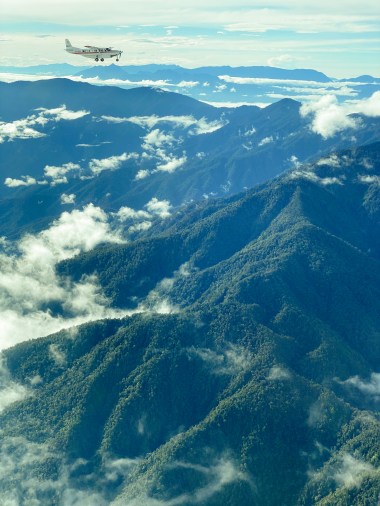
341,40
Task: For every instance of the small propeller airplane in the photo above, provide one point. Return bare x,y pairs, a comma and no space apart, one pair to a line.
96,53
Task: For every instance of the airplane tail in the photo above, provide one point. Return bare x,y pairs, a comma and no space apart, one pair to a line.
68,43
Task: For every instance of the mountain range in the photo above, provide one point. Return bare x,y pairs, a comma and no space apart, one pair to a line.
215,84
115,147
255,384
206,282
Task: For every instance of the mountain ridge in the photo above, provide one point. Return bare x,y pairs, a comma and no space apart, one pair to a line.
155,145
242,393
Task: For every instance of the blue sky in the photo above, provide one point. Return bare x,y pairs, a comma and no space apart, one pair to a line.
340,39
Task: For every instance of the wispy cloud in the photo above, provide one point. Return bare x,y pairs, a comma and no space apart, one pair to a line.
159,300
55,175
10,391
370,387
27,128
111,163
311,176
30,285
213,478
195,126
22,483
230,360
61,113
351,471
278,373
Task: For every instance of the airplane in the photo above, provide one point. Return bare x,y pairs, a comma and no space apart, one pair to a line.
96,53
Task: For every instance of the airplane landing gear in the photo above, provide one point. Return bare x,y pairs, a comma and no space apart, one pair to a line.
96,59
101,59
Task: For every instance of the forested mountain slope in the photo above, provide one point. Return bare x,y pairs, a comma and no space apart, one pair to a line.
249,373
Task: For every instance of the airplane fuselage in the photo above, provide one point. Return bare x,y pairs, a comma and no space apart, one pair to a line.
96,53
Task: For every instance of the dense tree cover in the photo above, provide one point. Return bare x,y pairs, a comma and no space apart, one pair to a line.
259,384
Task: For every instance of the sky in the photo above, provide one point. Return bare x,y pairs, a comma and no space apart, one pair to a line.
341,39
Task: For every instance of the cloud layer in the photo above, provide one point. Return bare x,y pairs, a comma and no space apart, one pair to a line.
329,118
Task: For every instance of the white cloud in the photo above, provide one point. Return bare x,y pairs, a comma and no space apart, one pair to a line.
278,373
58,174
322,16
187,84
29,284
111,163
265,141
370,387
311,176
158,299
61,113
92,145
328,117
55,175
24,181
196,126
295,162
159,207
127,213
281,60
212,478
57,355
369,179
332,160
20,461
19,129
263,20
140,227
351,472
369,107
233,359
171,163
159,83
204,126
10,391
157,139
25,128
68,198
142,174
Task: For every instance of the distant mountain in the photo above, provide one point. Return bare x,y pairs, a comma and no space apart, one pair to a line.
219,84
115,147
365,79
180,73
258,386
110,100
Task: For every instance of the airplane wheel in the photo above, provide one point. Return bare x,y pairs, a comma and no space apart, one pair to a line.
96,59
117,59
101,59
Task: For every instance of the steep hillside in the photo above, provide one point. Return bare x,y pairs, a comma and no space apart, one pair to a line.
249,373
